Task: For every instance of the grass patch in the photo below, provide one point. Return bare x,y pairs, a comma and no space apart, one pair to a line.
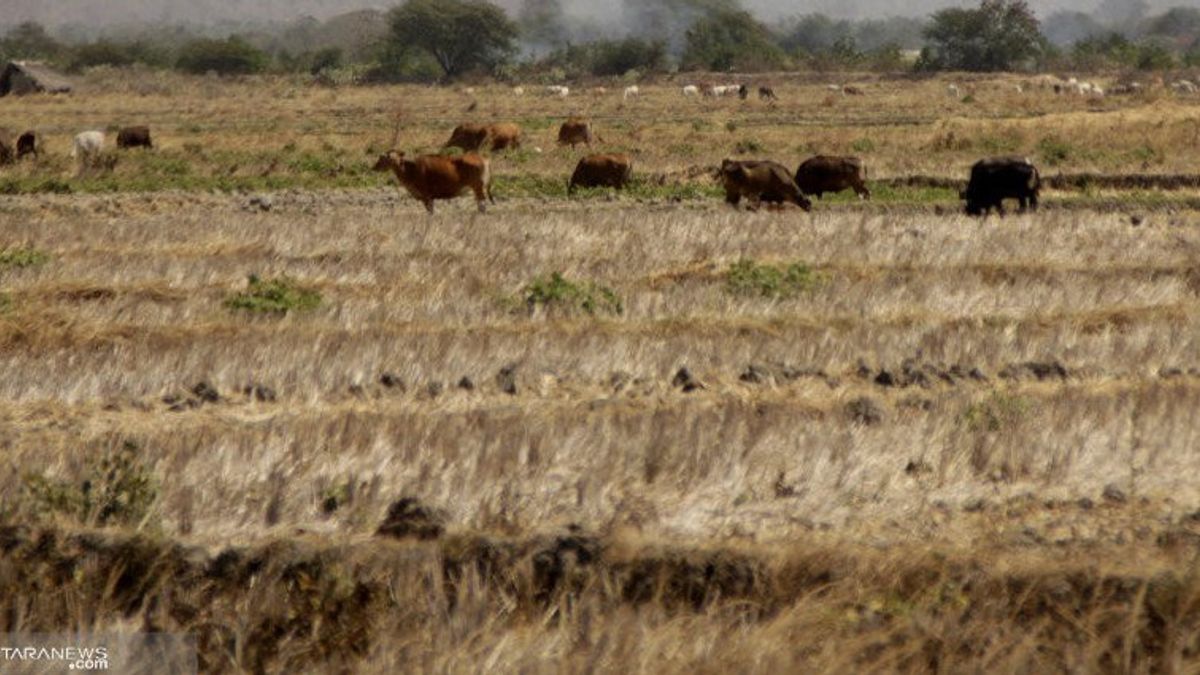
20,258
749,278
557,292
274,296
118,489
1054,151
998,412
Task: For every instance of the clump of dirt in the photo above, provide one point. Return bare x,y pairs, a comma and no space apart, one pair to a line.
408,518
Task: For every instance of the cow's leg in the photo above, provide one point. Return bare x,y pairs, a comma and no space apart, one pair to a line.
1033,202
429,205
733,199
863,192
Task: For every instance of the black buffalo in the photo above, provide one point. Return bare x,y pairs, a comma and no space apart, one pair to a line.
134,137
998,178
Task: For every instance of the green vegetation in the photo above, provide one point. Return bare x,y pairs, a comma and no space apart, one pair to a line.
232,56
274,296
999,35
998,412
557,292
115,490
462,36
1053,150
19,258
749,278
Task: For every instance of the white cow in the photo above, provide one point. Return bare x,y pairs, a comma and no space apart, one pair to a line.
631,91
87,148
691,90
953,90
558,90
519,91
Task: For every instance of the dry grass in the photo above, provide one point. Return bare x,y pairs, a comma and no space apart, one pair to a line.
957,446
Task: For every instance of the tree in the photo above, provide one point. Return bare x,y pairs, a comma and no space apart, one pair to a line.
1000,35
729,39
233,56
29,40
460,35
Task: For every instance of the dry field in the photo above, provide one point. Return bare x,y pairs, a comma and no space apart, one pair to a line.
865,439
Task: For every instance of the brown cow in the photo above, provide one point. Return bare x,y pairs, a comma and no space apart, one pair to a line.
431,177
8,152
601,171
825,173
574,131
468,137
27,144
504,136
134,137
760,181
767,94
473,137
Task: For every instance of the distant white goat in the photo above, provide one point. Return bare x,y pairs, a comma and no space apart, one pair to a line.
87,147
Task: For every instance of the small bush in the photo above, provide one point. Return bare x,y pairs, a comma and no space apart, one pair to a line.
1054,150
116,490
557,291
274,296
863,145
747,277
20,258
233,56
998,412
748,146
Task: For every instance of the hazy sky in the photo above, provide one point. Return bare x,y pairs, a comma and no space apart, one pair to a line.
107,12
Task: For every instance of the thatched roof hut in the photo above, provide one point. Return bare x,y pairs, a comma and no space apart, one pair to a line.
29,77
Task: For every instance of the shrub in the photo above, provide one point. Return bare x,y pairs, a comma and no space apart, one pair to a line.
116,489
557,291
749,278
1054,150
274,296
233,56
998,412
19,258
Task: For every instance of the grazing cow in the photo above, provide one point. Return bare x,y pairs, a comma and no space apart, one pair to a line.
631,91
743,92
825,173
953,90
27,144
504,136
431,177
691,90
558,90
760,181
851,90
519,91
473,137
468,137
575,131
767,94
86,148
8,151
998,178
134,137
601,171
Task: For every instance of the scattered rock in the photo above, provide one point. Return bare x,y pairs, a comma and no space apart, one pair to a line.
975,506
407,517
686,381
1114,494
260,393
506,379
619,380
356,390
885,379
466,384
259,203
1170,373
865,410
1040,371
782,489
391,381
434,389
756,374
206,392
1136,220
1085,503
917,467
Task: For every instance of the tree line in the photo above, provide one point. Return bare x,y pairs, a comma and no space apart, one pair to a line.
442,40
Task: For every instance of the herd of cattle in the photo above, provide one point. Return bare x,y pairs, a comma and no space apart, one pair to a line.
434,177
437,177
86,148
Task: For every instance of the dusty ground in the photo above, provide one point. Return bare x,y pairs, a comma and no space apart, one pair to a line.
946,444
